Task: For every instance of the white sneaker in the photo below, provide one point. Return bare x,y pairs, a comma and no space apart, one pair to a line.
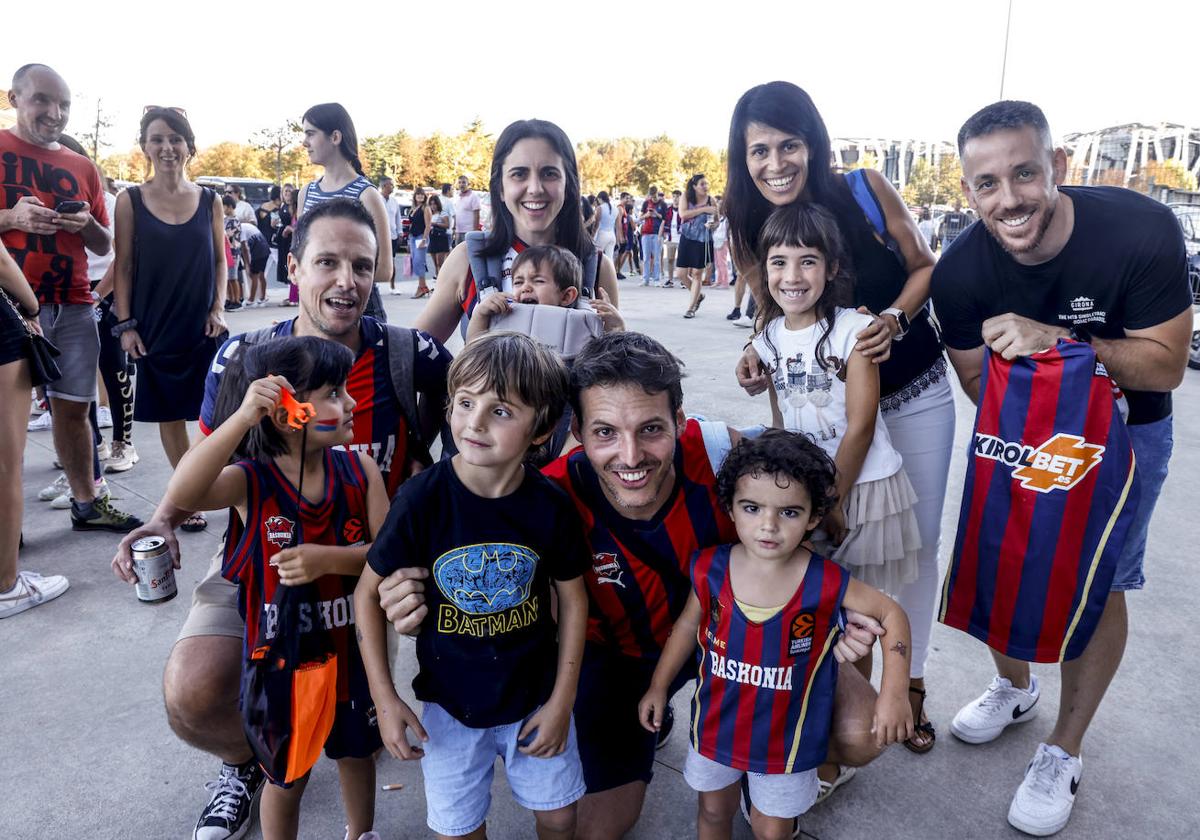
366,835
1042,804
41,423
123,457
104,417
63,501
52,491
825,789
30,590
984,718
103,451
744,322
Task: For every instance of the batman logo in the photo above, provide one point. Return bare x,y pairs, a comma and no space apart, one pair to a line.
486,578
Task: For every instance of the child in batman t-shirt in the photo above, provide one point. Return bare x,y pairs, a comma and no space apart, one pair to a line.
497,675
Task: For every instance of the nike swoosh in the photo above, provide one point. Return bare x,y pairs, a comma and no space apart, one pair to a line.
1018,711
1074,786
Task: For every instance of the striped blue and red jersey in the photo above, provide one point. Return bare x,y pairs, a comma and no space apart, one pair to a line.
764,693
380,429
277,518
638,583
1050,491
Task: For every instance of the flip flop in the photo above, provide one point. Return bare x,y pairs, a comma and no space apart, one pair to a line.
195,522
925,728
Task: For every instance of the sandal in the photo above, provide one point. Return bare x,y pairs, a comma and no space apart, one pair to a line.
925,728
195,522
420,293
691,313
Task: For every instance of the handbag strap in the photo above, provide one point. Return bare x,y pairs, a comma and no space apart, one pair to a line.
20,317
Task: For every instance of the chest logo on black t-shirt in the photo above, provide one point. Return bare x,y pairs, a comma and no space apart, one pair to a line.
487,587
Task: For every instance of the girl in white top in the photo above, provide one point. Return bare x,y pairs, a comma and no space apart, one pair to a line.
823,386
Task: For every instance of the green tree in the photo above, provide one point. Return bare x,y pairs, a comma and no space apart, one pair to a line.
235,160
928,185
707,161
658,164
280,146
125,166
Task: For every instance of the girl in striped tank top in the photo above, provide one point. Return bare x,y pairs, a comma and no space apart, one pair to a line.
331,142
765,612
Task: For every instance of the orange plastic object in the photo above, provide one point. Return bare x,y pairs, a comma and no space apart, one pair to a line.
298,413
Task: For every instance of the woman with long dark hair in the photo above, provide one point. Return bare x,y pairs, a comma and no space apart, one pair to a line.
779,153
438,219
534,187
606,236
698,212
418,240
169,284
332,142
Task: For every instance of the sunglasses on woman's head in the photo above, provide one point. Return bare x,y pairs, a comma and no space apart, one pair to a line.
180,111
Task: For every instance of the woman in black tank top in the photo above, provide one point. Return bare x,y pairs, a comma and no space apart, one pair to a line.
779,153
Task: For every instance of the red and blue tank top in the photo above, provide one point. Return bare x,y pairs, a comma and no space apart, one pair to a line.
765,691
278,518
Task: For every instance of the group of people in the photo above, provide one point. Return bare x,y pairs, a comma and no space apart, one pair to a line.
436,222
765,564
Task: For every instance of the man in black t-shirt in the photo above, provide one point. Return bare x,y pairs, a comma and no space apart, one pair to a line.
1097,264
952,224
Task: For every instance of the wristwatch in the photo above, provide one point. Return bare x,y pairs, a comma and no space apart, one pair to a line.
902,322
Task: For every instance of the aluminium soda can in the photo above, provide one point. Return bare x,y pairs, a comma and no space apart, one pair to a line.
154,569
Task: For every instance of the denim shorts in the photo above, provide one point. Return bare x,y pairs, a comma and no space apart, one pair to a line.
71,327
1152,445
782,795
459,763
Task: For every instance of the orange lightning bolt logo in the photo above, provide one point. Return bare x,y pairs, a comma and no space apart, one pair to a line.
1058,464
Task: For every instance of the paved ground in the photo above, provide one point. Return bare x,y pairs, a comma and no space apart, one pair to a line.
88,753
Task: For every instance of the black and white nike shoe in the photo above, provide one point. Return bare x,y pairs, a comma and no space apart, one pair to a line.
984,718
229,814
1042,804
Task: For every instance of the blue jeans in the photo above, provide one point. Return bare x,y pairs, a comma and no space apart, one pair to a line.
418,256
1152,445
651,258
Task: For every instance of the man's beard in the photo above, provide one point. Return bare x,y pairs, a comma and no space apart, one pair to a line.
1039,235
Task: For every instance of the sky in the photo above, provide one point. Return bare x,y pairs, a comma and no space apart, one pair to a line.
900,69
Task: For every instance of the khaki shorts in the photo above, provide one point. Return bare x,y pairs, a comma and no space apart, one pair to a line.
214,609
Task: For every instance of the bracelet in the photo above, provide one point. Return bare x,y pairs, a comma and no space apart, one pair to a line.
29,315
124,326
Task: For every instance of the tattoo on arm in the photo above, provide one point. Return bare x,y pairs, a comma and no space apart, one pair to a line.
900,648
358,634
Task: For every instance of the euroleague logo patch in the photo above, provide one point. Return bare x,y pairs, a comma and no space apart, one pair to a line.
352,531
800,633
1058,464
280,530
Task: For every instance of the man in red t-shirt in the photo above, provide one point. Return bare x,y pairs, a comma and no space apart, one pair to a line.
51,208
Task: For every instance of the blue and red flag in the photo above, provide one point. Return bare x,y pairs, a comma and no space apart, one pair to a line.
1050,491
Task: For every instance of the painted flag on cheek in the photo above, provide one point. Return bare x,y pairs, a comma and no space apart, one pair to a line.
1050,491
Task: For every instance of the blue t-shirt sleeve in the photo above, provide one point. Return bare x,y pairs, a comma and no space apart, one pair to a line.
431,364
212,382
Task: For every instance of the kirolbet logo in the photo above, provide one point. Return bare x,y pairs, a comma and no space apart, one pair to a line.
1058,464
